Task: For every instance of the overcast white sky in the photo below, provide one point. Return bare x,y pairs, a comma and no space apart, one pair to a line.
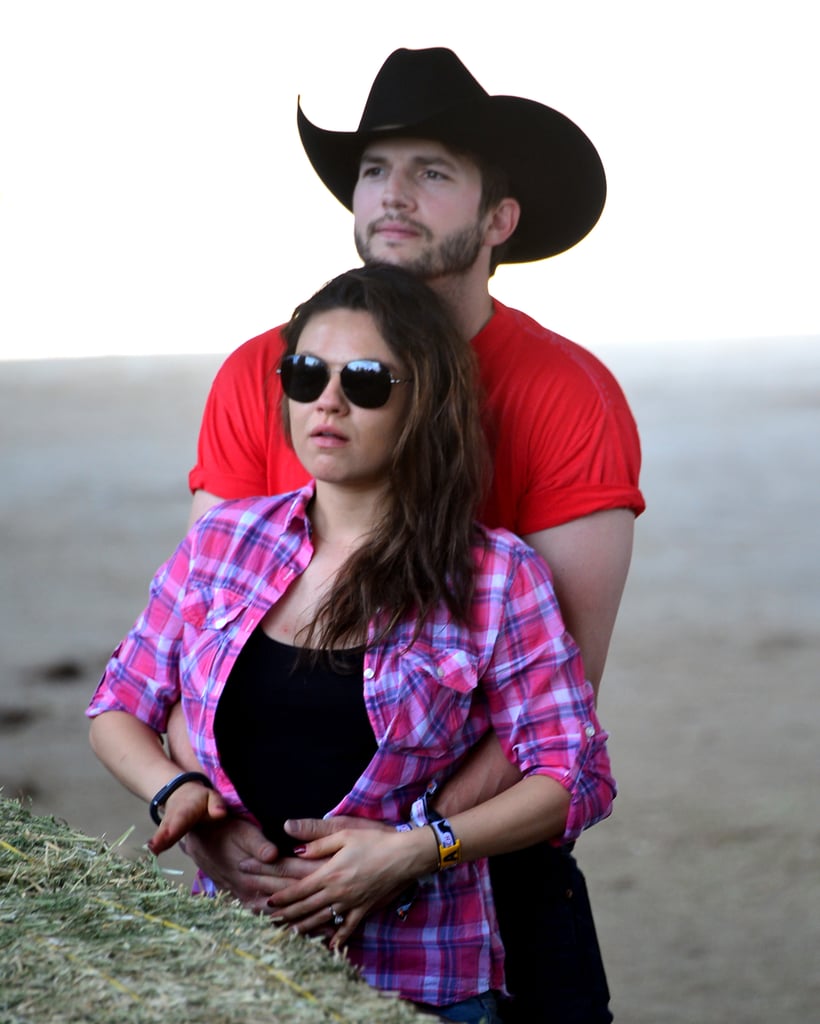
154,197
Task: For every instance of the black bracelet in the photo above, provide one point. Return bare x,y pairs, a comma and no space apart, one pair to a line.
172,787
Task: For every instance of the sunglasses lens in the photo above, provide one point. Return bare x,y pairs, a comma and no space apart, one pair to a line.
304,378
366,382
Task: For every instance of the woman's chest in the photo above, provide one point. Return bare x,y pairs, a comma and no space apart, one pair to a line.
299,605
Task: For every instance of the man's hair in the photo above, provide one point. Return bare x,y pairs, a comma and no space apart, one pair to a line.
495,186
420,553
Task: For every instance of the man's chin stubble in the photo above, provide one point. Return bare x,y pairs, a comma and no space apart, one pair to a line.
455,255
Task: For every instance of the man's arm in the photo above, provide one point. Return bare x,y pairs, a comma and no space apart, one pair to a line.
202,501
589,559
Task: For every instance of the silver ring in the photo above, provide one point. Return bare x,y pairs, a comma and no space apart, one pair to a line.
335,918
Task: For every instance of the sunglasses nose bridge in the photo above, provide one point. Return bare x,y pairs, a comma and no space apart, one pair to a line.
333,393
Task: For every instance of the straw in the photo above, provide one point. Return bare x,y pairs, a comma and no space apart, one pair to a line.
89,936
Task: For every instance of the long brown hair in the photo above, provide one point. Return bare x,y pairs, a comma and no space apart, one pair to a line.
420,551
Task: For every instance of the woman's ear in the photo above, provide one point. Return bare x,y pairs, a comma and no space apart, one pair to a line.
502,222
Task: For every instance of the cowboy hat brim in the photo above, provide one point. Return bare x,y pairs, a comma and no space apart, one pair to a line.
554,170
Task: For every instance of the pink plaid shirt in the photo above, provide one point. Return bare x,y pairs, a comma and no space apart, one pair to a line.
516,670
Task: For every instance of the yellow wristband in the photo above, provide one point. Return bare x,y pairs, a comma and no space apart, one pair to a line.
449,848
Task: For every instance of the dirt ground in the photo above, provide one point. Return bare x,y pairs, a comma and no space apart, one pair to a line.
706,880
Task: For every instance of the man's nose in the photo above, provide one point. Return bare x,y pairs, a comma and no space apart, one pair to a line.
397,191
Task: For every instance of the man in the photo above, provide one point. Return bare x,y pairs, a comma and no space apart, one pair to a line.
448,181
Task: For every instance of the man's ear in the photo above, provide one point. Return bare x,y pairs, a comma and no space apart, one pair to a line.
502,222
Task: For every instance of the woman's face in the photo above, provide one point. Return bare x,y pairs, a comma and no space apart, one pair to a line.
337,441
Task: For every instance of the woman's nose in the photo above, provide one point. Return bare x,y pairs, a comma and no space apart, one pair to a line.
333,397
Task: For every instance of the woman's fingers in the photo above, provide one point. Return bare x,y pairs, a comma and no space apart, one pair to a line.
323,921
189,806
308,829
305,900
358,875
345,930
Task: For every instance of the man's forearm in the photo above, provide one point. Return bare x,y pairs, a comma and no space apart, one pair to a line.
485,773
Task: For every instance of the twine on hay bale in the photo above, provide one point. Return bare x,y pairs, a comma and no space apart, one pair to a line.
86,935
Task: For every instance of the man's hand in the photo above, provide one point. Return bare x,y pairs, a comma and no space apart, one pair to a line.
238,858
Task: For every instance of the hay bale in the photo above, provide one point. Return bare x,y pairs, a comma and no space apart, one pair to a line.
88,936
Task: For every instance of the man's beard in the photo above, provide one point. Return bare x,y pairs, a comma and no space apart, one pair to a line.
455,254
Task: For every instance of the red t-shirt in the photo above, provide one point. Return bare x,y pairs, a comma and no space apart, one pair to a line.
563,437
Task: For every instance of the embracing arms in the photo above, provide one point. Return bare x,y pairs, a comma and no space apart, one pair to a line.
359,868
589,558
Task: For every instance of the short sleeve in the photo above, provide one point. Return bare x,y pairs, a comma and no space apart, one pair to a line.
232,450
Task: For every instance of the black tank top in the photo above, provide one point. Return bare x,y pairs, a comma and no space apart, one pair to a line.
292,738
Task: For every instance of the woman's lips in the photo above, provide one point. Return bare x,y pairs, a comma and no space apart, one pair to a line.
327,437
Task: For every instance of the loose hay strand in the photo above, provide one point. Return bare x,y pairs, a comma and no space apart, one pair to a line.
88,936
11,849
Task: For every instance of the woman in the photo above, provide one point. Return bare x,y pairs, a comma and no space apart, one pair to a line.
346,646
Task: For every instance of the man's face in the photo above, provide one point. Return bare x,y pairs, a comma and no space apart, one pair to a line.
417,205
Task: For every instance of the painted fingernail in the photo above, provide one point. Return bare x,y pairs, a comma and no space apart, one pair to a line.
299,849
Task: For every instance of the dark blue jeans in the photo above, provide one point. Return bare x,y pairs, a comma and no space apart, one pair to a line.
478,1010
554,969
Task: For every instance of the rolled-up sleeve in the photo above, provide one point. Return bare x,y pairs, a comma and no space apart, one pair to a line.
542,707
142,675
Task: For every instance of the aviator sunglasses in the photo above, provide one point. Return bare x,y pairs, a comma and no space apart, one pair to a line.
365,382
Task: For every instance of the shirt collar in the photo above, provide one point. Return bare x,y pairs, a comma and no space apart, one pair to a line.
296,516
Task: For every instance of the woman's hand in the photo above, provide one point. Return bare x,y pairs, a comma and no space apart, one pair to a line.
363,868
190,805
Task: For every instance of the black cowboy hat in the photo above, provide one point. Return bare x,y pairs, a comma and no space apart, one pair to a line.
554,170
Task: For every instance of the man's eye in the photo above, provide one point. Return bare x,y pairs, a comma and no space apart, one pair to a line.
370,172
